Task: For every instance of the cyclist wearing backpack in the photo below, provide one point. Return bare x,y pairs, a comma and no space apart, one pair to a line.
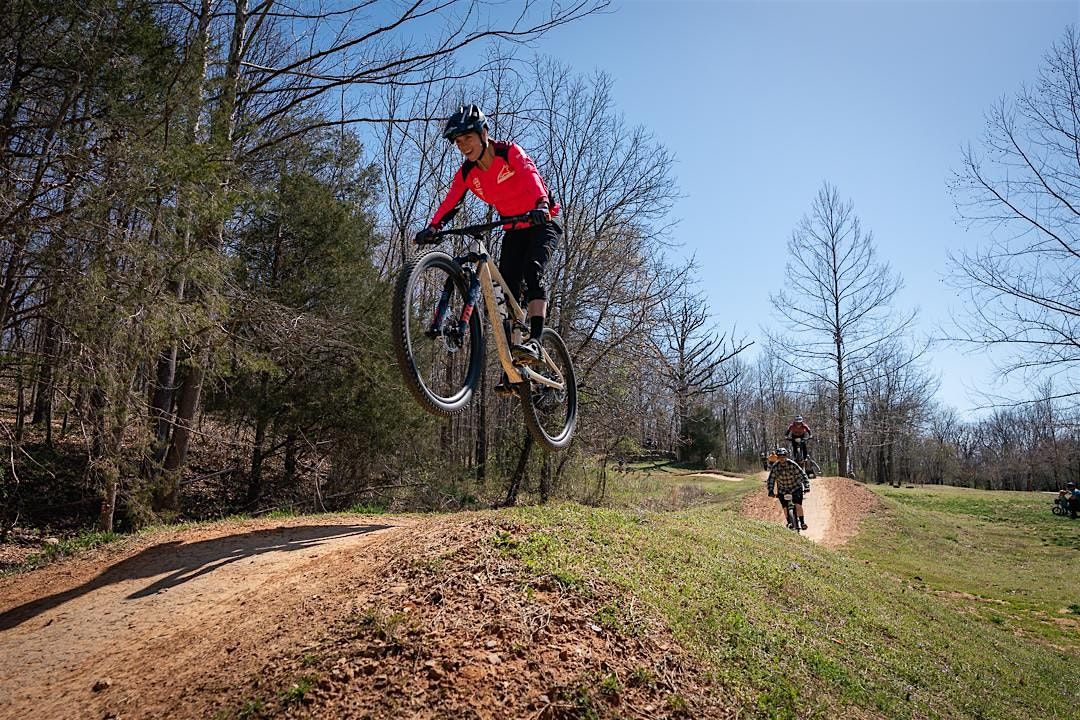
787,477
798,433
503,176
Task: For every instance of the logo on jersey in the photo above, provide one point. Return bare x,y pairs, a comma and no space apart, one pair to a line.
505,174
476,187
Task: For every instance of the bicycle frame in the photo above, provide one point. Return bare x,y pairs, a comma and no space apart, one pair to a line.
483,280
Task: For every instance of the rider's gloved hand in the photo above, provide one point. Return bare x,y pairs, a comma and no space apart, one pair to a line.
806,488
539,216
426,236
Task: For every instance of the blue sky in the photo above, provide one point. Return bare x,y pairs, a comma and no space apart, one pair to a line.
763,101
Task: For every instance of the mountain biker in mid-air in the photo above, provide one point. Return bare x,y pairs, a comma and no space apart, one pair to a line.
798,433
787,477
503,176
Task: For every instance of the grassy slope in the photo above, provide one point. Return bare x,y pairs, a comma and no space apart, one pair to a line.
948,605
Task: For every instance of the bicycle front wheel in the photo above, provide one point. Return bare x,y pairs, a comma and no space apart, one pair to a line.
551,413
441,358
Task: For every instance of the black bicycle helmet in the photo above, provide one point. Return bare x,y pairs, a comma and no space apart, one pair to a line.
468,118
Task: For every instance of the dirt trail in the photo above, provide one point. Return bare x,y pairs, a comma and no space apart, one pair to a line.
88,638
834,508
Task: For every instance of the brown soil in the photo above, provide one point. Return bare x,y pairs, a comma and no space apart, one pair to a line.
716,475
333,618
834,508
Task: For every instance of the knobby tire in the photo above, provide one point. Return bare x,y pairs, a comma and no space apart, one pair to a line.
550,416
442,383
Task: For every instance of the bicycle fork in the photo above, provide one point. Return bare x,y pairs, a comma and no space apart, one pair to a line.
457,335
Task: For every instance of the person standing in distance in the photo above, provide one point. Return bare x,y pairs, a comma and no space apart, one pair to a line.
505,177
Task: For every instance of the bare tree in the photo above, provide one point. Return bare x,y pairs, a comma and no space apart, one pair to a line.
692,354
891,405
835,305
1021,183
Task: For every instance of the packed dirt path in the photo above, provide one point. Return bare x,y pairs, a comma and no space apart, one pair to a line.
87,639
834,508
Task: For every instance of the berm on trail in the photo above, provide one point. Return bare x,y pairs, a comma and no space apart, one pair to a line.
340,617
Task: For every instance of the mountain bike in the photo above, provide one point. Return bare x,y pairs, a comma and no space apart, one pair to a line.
811,468
807,463
438,335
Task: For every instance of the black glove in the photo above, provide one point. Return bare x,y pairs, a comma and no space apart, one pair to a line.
426,236
772,494
806,489
538,216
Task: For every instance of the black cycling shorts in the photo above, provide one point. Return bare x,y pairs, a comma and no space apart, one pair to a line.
525,254
796,497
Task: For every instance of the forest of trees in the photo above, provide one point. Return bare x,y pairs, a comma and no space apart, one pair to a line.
203,207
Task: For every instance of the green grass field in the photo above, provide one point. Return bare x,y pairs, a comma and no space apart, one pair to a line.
950,604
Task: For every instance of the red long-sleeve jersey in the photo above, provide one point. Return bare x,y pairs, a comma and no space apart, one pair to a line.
511,184
798,429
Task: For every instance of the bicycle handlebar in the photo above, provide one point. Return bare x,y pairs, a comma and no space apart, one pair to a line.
477,229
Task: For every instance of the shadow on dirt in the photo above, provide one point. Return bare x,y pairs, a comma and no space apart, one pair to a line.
187,561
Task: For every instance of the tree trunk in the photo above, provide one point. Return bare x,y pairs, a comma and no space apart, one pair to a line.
290,459
545,479
20,406
255,476
161,404
176,456
107,513
43,394
519,472
841,414
481,434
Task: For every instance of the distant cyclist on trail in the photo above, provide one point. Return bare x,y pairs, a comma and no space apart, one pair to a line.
787,477
773,457
798,432
502,175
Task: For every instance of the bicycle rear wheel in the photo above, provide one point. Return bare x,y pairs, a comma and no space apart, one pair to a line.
440,358
551,414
